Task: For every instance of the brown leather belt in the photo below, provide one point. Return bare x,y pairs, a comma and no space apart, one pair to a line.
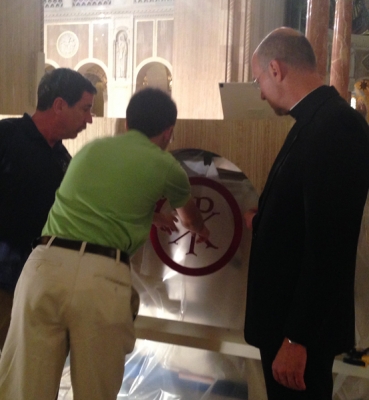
90,247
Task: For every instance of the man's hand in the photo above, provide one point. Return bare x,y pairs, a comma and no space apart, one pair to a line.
289,365
192,220
249,216
203,235
165,222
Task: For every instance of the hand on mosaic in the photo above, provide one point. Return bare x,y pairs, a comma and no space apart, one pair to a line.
165,222
289,365
203,235
249,215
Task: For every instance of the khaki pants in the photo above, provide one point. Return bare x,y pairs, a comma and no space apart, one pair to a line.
67,301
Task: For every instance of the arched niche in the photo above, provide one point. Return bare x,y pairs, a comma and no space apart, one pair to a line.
154,74
49,68
98,78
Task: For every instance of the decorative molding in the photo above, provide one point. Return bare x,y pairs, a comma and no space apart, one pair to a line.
53,3
82,13
89,3
152,1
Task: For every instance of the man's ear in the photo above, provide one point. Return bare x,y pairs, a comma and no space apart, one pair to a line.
167,133
59,104
277,70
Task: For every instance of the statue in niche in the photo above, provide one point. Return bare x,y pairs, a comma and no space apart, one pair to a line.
121,54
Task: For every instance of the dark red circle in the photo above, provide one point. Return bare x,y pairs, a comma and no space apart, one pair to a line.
236,239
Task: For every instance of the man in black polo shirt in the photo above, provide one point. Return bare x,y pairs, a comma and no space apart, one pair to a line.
33,161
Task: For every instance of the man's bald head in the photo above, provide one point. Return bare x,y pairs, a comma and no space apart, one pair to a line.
289,46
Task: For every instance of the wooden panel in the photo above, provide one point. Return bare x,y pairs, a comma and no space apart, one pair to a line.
21,27
199,57
251,145
100,127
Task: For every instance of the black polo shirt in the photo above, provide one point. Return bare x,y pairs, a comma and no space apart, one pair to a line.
30,173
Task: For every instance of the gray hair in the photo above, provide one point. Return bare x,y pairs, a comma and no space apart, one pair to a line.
288,46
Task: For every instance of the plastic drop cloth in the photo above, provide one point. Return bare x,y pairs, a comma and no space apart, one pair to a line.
157,371
162,371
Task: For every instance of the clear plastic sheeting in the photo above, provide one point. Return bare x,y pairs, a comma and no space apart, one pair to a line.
164,371
157,371
350,388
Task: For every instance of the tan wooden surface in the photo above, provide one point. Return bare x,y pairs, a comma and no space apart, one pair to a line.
21,46
251,145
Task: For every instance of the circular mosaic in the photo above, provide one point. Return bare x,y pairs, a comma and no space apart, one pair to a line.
67,44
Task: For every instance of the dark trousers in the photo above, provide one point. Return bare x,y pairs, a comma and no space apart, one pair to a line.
6,303
318,376
12,259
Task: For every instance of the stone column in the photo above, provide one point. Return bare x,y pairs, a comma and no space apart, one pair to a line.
341,47
317,21
230,40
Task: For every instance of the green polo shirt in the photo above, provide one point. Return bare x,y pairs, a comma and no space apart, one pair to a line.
110,190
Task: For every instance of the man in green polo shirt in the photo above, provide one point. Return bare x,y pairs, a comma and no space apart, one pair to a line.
75,291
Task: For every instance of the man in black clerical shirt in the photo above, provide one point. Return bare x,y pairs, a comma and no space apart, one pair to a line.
300,295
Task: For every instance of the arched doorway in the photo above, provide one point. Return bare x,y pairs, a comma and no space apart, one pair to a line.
49,68
154,74
98,78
